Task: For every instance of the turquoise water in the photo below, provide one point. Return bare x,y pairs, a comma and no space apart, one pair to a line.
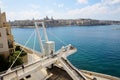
98,46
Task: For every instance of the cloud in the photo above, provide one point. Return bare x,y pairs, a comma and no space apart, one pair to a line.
31,11
106,9
34,6
82,1
54,3
89,10
24,15
1,4
111,2
49,12
60,5
98,11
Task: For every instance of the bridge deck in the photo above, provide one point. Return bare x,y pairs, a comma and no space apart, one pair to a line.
76,75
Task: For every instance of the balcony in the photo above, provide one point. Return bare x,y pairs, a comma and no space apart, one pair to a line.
10,44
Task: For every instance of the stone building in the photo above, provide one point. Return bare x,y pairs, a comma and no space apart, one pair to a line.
6,38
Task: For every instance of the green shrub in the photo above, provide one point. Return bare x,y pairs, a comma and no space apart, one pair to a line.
6,63
13,57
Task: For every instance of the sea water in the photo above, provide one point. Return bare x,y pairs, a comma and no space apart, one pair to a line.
98,47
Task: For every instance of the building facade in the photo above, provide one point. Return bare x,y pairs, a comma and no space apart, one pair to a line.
6,38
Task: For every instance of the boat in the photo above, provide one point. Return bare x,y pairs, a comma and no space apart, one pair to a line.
49,64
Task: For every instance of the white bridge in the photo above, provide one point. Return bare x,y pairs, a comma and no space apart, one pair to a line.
50,58
24,70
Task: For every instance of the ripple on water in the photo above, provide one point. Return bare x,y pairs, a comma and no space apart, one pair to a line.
98,46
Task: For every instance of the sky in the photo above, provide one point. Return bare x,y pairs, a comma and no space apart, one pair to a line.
61,9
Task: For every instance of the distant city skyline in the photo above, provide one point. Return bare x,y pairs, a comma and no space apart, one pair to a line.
61,9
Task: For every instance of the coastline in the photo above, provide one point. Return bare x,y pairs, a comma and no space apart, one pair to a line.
63,22
90,75
30,27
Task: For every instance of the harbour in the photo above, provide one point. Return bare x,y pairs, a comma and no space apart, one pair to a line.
60,41
91,53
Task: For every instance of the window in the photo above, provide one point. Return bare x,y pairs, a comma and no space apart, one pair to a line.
10,44
1,45
0,34
22,79
28,76
7,32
